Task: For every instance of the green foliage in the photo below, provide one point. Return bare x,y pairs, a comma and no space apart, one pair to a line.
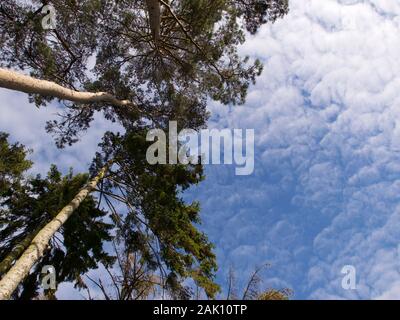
155,224
258,12
195,58
13,164
171,241
33,202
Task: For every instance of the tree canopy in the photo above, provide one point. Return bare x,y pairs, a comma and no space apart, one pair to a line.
27,205
109,46
138,208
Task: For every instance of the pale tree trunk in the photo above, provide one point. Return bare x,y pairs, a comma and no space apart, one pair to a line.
35,251
15,81
154,10
16,252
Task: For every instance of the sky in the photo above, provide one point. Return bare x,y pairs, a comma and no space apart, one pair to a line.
326,186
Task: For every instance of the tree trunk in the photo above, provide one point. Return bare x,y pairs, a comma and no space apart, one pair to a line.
35,251
16,252
15,81
154,10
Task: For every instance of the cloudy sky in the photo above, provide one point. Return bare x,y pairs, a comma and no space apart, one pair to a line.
326,186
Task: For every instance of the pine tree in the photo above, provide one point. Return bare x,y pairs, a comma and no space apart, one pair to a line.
154,60
29,204
13,164
157,223
149,219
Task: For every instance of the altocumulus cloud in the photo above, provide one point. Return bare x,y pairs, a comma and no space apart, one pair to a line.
326,188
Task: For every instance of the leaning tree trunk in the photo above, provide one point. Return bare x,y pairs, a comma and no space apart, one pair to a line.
16,252
15,81
154,10
35,251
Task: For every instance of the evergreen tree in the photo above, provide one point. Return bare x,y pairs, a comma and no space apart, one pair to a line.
32,202
13,164
149,220
157,223
154,60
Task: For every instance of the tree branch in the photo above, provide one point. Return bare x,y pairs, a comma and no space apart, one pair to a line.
15,81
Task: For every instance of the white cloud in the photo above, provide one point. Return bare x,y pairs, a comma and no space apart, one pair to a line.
327,160
26,123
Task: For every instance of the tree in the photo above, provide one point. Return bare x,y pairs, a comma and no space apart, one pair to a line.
155,226
131,278
13,164
186,52
252,290
27,206
157,223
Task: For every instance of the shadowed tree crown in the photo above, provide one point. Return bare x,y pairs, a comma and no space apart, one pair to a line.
13,164
28,203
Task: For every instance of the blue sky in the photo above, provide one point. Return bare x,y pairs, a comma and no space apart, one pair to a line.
326,186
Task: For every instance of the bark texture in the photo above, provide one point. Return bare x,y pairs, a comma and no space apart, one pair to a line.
154,10
16,252
15,81
35,251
